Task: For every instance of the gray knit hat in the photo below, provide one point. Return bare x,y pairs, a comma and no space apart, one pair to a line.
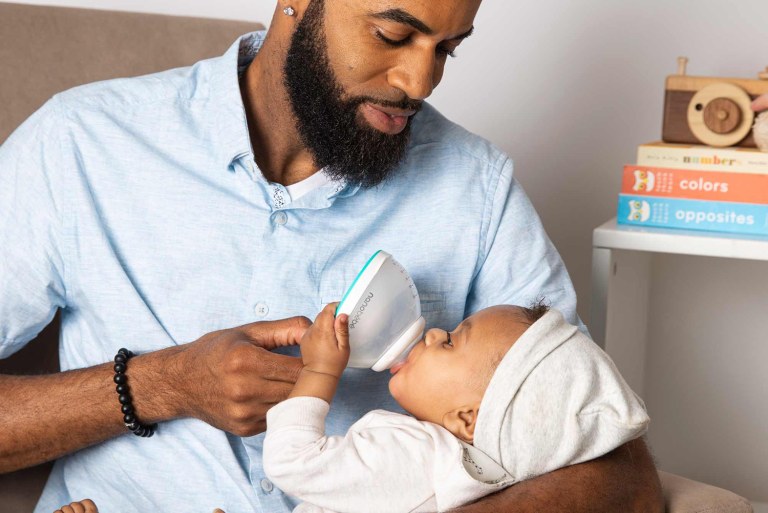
555,399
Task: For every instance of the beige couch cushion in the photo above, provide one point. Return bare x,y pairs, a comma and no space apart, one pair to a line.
44,50
682,495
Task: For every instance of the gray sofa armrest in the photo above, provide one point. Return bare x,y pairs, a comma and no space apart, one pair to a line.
683,495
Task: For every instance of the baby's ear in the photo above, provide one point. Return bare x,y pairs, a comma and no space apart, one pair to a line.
461,422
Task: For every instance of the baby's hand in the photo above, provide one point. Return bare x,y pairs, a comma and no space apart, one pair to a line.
325,344
83,506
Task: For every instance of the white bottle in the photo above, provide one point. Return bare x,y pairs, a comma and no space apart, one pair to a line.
384,311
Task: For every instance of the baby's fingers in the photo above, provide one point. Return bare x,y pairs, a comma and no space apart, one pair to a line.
341,326
324,319
84,506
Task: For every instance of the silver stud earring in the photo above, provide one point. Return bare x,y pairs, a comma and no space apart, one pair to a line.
289,11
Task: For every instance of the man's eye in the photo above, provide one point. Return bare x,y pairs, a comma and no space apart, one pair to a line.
441,50
393,42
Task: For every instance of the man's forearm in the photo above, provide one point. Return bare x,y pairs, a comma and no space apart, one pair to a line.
623,480
44,417
227,378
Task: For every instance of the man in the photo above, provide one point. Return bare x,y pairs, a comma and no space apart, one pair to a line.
152,211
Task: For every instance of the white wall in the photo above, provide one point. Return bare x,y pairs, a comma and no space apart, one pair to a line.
569,89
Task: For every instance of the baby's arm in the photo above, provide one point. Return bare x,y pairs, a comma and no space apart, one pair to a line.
377,467
337,472
325,353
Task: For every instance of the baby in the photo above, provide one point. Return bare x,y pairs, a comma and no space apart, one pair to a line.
510,394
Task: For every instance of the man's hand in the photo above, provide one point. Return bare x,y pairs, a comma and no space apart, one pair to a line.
228,378
231,377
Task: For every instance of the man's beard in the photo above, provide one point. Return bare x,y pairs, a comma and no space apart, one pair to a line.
327,122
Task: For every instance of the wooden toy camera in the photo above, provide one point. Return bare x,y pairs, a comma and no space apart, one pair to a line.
711,111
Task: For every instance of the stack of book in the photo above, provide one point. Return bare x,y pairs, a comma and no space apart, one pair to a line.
696,188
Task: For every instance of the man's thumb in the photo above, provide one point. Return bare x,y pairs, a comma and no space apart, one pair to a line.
271,334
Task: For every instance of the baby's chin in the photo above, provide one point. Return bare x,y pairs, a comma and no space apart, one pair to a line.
394,392
392,389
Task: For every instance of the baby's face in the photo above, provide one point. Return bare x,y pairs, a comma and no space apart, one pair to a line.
448,370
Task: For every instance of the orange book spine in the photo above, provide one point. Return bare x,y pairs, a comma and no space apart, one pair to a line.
692,184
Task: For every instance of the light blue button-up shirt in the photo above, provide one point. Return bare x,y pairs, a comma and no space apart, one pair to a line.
135,206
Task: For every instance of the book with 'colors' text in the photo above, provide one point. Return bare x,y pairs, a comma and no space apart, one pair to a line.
694,184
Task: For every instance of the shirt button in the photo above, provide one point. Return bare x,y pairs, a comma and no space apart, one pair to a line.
261,309
267,485
281,218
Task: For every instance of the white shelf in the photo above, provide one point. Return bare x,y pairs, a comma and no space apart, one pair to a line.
660,343
611,235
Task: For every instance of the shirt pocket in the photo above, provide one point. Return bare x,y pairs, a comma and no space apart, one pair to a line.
434,309
432,302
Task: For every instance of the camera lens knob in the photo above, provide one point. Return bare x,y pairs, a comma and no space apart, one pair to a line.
722,115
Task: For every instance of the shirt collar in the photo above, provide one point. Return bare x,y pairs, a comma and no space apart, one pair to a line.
230,119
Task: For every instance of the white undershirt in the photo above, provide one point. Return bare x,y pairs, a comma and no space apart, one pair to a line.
309,184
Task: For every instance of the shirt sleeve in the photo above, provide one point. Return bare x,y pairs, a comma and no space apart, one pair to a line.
519,263
31,263
375,467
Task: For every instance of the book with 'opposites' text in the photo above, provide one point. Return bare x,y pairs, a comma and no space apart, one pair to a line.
688,214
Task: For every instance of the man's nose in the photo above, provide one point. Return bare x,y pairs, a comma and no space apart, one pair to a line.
415,74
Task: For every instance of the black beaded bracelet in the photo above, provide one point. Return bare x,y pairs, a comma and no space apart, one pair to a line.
124,396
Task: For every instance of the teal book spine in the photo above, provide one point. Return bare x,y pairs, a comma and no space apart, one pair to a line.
713,216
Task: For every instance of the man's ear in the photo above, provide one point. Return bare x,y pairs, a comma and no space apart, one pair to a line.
461,422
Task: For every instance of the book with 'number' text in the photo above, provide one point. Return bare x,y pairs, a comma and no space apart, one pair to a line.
702,158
